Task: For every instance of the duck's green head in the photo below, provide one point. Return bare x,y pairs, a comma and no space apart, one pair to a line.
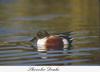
42,34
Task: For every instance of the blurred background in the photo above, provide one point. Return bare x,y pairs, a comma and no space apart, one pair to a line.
21,19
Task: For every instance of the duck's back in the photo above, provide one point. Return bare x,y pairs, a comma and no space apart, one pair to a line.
52,42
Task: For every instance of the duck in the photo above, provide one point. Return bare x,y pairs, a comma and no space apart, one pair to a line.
44,41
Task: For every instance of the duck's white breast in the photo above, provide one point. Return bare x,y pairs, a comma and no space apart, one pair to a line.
41,44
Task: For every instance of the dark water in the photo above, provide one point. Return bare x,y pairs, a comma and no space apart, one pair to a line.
20,20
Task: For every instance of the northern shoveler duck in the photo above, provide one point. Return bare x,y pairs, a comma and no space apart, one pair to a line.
43,41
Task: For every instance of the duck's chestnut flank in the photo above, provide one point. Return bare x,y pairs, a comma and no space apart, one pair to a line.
54,43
